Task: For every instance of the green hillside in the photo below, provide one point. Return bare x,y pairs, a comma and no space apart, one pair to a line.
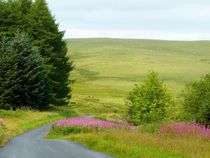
106,69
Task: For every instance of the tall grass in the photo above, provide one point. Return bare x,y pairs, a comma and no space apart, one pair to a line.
126,144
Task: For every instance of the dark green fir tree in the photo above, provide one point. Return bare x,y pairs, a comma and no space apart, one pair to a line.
47,37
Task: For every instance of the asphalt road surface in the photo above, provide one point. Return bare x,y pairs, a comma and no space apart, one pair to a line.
33,145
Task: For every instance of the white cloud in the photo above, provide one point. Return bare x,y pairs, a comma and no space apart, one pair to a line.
135,34
156,19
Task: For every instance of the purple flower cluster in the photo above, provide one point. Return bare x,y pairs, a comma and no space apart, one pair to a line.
186,129
86,122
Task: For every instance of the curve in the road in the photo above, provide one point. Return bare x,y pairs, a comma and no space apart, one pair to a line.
33,145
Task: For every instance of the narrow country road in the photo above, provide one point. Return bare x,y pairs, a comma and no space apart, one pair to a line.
33,145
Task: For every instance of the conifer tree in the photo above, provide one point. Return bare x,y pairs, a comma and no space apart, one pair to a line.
48,39
23,79
36,19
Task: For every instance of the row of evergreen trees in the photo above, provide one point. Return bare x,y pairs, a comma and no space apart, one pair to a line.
39,54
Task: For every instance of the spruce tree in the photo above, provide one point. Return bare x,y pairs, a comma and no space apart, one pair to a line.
49,40
23,79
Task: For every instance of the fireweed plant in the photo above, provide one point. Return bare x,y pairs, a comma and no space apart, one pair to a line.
84,124
186,129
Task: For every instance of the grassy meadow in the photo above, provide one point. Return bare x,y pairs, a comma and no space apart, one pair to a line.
107,69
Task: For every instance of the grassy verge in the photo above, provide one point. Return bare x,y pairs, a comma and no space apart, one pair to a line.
123,143
122,140
20,121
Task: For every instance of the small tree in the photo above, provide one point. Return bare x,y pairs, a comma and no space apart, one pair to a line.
148,101
23,79
196,101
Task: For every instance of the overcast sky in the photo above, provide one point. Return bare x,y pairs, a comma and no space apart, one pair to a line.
148,19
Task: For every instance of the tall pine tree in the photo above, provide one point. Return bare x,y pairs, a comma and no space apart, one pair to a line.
47,37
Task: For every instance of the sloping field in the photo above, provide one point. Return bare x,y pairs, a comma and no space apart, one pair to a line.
106,69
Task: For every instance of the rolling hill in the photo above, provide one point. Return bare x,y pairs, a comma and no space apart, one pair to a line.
107,69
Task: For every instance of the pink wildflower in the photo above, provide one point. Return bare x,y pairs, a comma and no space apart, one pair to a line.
186,129
87,122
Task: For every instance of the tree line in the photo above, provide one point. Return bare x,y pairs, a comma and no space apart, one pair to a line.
34,67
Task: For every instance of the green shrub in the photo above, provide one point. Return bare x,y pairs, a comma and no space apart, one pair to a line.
148,102
196,101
